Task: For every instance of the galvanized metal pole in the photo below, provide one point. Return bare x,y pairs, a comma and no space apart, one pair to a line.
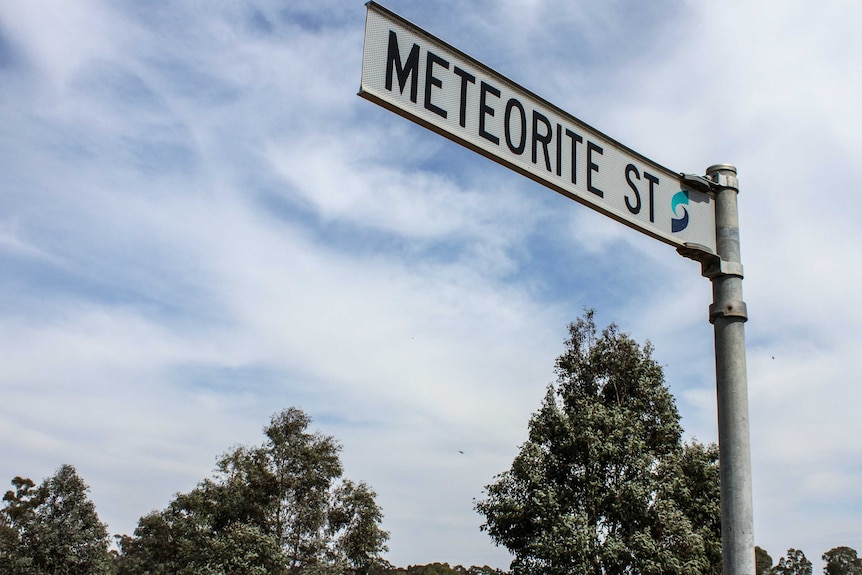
728,315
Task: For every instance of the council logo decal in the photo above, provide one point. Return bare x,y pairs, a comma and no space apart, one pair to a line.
680,223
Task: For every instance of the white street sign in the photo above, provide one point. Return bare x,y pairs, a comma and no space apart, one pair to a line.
420,77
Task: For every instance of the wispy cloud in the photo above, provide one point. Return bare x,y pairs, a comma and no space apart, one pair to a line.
200,224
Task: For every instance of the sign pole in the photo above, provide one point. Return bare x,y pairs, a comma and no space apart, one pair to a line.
728,315
420,77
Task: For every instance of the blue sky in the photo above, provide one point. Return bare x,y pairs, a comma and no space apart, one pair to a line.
201,224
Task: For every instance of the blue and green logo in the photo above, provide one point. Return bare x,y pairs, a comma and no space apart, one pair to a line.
680,223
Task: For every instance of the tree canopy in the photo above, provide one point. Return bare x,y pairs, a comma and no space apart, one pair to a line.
442,569
842,561
52,529
604,484
793,563
762,562
282,508
278,508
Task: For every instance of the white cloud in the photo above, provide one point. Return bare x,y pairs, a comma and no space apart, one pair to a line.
60,39
201,223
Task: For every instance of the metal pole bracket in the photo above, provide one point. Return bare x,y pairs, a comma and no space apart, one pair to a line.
728,309
718,267
725,181
699,183
711,265
713,181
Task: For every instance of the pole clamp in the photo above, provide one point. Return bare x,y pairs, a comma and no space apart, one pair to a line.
725,181
711,266
728,309
711,182
723,176
718,267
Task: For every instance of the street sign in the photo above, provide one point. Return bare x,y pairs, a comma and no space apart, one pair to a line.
424,79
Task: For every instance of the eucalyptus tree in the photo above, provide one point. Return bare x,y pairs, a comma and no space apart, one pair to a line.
793,563
762,562
604,484
278,508
52,529
842,561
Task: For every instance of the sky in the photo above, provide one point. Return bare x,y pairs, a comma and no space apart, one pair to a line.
202,224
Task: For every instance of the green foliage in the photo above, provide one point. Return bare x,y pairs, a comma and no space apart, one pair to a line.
690,478
762,562
52,529
603,485
442,569
303,467
842,561
192,536
838,561
276,509
794,563
354,520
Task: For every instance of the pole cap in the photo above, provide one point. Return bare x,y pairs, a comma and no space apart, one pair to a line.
723,176
721,168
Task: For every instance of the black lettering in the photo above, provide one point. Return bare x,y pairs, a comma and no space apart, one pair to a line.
593,167
544,138
631,169
559,150
576,139
466,77
393,60
430,81
653,180
484,109
522,143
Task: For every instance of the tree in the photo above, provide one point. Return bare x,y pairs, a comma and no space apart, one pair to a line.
19,514
794,563
762,562
690,478
277,508
354,520
842,561
52,529
195,535
304,466
603,484
442,569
